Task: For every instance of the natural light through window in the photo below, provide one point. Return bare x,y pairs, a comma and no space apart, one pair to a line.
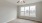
32,11
28,11
22,11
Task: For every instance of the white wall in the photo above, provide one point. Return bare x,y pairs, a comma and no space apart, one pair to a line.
8,11
38,12
41,13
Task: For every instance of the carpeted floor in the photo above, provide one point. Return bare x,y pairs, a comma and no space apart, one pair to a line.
22,21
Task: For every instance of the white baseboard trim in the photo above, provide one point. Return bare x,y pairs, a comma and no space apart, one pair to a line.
10,20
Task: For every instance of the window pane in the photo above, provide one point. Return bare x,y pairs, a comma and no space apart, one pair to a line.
32,11
22,11
27,11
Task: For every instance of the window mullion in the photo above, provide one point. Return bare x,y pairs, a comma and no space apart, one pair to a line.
29,10
24,11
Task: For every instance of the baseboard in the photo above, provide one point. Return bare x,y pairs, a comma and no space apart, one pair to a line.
31,20
10,20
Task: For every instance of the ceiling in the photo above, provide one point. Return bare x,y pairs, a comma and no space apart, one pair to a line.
26,2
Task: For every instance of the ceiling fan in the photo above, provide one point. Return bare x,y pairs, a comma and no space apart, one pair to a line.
21,1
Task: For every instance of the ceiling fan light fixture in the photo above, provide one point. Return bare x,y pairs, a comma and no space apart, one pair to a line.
21,1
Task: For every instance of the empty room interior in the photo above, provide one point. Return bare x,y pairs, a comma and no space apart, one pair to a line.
20,11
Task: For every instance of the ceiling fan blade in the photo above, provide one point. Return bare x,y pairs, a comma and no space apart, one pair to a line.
23,1
18,2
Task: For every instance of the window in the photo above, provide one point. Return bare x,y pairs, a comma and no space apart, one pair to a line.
28,11
22,11
32,11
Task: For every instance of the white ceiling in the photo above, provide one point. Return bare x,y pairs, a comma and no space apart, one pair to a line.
27,1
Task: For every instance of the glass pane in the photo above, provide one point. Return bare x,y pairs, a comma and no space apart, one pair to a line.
32,11
27,11
22,11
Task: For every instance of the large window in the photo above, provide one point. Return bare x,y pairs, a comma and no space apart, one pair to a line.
28,11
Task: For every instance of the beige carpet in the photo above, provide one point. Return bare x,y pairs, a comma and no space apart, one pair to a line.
22,21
